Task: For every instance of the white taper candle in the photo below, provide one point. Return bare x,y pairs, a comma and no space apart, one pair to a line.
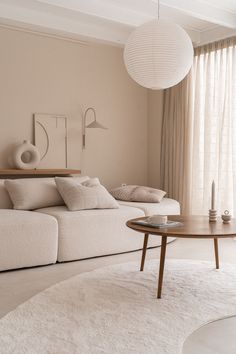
213,195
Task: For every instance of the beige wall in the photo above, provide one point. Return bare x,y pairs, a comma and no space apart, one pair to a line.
47,75
155,110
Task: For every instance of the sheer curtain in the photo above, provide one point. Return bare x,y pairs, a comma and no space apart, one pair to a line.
176,145
199,132
214,127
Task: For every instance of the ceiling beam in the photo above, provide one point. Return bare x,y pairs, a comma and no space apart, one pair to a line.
79,26
106,9
204,11
109,21
121,11
216,34
71,23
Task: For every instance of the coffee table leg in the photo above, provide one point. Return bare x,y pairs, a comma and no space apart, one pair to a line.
216,253
162,264
145,243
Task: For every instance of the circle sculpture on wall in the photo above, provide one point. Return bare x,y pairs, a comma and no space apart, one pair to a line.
26,156
158,54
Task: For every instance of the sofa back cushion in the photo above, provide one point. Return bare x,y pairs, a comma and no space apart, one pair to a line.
35,193
86,195
5,201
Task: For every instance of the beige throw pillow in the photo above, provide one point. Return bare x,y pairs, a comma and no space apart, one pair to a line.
5,201
35,193
87,195
138,194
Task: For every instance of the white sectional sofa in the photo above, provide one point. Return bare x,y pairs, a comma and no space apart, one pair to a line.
27,239
55,234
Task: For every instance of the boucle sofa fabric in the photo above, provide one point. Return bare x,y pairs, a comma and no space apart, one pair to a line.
166,207
5,201
132,193
86,195
97,232
34,193
32,238
27,239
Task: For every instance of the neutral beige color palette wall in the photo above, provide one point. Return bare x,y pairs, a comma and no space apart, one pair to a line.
48,75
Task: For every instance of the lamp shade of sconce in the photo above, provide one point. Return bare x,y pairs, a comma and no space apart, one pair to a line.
158,54
25,156
93,124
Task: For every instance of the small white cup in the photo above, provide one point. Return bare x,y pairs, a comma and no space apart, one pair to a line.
158,219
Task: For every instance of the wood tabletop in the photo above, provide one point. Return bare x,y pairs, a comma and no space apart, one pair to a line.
193,227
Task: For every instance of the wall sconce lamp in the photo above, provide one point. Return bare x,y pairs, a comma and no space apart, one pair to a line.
93,124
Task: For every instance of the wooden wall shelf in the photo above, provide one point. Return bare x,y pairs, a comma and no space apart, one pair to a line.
39,172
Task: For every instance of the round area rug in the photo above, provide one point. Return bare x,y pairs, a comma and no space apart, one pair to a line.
114,310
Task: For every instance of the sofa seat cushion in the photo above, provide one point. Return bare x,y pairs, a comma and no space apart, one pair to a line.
97,232
166,207
27,239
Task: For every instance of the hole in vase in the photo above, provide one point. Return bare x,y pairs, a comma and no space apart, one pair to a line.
26,157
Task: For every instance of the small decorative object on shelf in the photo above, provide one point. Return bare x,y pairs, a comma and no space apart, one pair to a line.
213,211
226,217
25,156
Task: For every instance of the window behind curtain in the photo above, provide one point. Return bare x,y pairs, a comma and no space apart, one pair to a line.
214,126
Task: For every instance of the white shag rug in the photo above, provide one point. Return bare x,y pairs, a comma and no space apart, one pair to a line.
114,310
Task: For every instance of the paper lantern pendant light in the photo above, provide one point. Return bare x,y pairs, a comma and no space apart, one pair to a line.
158,54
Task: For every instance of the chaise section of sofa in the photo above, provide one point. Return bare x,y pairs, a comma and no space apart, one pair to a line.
27,239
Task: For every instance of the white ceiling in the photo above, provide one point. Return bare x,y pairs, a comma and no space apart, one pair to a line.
112,21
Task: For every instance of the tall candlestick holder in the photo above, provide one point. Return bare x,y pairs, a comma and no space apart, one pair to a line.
212,215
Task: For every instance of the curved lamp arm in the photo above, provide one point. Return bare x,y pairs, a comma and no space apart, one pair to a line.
85,115
84,121
93,124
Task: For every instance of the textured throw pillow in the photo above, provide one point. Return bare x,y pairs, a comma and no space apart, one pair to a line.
138,194
35,193
87,195
5,201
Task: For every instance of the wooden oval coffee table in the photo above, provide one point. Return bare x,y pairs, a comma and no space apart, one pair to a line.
193,227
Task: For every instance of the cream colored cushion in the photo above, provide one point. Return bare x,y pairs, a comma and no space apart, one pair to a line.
87,195
34,193
138,194
5,201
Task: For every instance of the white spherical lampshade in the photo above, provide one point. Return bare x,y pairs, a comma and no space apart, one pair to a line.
158,54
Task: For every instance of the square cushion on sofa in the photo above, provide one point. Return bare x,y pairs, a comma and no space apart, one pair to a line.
33,193
133,193
85,195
